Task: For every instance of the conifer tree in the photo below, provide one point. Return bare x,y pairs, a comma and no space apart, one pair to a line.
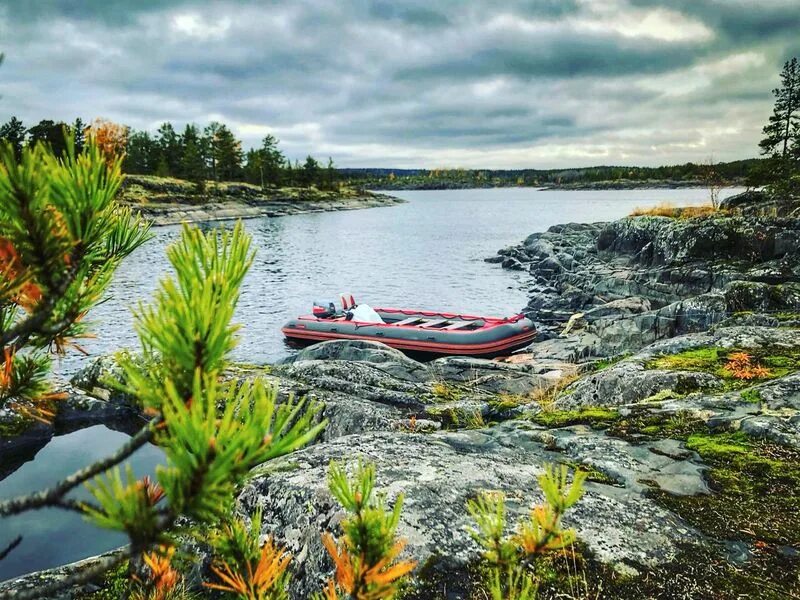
193,160
78,132
141,154
782,132
226,153
272,160
169,147
61,238
14,132
51,133
310,172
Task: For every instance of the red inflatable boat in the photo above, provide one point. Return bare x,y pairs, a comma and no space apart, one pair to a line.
414,330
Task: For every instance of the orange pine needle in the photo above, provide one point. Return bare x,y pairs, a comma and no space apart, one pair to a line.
271,565
164,577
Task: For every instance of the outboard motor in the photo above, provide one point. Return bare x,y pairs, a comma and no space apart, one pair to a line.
323,309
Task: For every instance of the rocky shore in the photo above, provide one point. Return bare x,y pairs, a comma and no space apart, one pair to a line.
667,368
165,201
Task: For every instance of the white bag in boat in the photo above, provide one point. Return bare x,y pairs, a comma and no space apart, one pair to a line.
364,314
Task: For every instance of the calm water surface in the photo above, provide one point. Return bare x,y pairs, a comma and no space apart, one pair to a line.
427,253
52,537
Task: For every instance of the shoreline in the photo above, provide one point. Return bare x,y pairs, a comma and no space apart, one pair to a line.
175,213
586,186
170,201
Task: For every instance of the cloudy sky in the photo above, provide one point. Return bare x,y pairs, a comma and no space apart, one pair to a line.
433,83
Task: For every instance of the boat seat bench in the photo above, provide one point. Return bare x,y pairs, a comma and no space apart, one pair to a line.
458,325
409,321
434,323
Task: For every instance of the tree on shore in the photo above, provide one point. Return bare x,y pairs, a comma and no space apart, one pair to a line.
78,132
193,158
51,133
272,160
311,171
264,165
169,148
141,154
781,142
713,181
14,133
226,152
330,180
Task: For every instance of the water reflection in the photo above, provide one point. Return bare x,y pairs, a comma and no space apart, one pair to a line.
52,537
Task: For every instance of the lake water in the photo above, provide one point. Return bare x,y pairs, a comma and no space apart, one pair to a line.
427,253
50,536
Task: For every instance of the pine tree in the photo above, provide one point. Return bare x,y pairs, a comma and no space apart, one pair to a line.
272,160
780,143
311,170
78,131
141,154
52,133
330,175
193,161
14,133
226,153
169,147
60,248
61,238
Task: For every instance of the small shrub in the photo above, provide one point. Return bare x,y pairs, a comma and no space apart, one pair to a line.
445,392
244,567
164,582
596,416
366,555
546,396
752,396
511,572
740,365
665,209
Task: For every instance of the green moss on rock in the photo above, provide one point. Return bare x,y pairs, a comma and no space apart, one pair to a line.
779,362
594,416
755,490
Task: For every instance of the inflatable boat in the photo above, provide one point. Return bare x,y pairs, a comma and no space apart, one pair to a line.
413,330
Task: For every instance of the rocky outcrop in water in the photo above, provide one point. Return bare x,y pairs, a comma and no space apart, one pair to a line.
637,280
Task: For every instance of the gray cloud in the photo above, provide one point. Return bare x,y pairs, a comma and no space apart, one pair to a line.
416,83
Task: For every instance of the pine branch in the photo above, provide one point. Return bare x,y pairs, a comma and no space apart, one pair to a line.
54,496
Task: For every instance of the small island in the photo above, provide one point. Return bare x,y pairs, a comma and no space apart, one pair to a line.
169,201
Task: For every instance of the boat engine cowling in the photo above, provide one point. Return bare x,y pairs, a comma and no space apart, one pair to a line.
323,309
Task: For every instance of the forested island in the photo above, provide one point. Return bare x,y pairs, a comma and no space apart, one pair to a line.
201,175
740,172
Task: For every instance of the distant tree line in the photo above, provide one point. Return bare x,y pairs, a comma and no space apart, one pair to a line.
731,172
212,153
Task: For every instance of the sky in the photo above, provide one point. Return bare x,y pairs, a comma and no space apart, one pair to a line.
414,83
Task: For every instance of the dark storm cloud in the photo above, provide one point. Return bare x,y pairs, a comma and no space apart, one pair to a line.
448,83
